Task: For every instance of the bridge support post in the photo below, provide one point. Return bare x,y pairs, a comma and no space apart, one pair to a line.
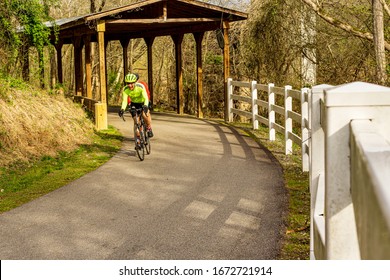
101,119
226,66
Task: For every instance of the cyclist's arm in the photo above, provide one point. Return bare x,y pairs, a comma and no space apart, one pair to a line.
145,96
124,100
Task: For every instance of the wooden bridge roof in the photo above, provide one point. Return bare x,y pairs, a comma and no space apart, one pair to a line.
150,18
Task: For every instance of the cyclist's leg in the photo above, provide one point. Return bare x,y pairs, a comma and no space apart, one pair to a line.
134,115
147,118
148,121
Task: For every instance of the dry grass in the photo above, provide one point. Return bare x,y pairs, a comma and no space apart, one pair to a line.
35,124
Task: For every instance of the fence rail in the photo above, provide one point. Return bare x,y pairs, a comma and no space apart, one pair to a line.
250,110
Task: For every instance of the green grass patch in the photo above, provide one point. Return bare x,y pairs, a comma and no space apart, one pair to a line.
22,183
296,244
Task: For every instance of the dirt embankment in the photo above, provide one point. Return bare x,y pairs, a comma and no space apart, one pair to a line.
34,123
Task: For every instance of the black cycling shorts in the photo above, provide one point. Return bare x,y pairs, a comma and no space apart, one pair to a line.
133,106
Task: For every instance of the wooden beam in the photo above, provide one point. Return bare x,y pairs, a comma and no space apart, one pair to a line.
179,73
161,20
102,62
127,8
149,44
226,65
170,30
125,48
199,72
78,70
101,117
165,11
88,66
59,62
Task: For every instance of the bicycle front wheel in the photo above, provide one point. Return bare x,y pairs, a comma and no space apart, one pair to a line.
140,148
148,148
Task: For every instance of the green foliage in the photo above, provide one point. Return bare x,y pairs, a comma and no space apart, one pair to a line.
21,22
214,59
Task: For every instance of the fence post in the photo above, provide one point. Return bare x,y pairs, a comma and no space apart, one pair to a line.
287,120
305,128
343,104
230,102
255,107
101,116
317,174
271,112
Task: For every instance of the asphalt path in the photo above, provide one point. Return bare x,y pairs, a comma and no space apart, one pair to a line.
207,191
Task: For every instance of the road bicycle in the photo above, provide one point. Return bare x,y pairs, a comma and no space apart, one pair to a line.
141,137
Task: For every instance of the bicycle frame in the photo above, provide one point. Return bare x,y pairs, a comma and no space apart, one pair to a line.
140,134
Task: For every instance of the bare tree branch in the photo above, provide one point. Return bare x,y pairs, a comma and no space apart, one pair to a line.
344,26
385,6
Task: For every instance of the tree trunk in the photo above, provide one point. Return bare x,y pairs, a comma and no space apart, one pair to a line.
379,41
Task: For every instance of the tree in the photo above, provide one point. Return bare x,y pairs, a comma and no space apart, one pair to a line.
376,36
379,40
28,15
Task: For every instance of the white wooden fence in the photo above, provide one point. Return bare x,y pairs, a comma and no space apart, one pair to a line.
254,101
348,154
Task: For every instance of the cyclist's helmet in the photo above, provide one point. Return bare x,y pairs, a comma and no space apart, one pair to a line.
130,78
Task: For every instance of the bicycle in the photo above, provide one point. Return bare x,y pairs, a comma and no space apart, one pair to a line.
141,138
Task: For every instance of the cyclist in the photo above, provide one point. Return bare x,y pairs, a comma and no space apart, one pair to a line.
146,88
139,99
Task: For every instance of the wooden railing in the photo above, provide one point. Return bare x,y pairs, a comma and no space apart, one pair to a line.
96,108
252,101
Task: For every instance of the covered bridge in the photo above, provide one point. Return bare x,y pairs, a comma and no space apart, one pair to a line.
148,20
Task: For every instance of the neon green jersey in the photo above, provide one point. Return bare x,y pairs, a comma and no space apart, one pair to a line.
137,95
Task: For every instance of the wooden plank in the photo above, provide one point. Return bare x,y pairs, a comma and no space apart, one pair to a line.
278,128
278,109
59,62
295,138
241,84
125,47
199,72
179,73
262,87
119,10
278,90
296,94
160,20
241,98
242,113
226,65
88,66
262,119
295,116
149,43
262,103
78,70
102,63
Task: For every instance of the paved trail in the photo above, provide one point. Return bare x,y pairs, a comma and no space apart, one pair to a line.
205,192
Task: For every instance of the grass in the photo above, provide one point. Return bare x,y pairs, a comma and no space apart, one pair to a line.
296,244
22,183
